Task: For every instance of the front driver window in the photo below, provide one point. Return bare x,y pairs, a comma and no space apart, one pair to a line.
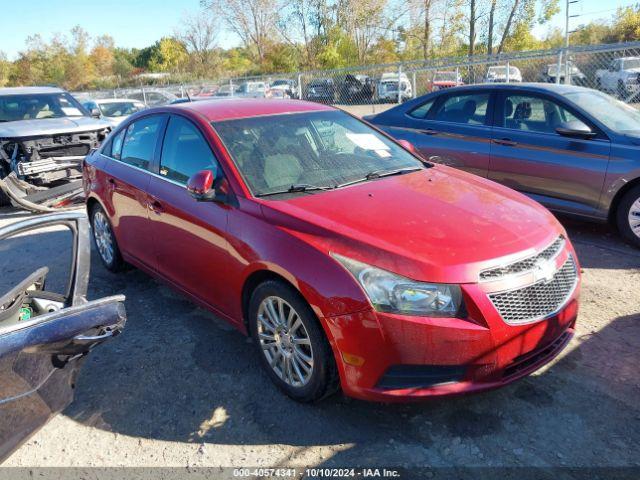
534,114
185,152
140,142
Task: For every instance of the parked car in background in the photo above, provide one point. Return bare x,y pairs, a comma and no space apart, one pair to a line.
152,98
113,110
322,90
46,333
573,149
348,259
45,133
253,90
502,74
389,85
355,89
576,77
226,90
622,77
284,88
446,79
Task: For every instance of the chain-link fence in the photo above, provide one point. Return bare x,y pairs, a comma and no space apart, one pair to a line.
613,68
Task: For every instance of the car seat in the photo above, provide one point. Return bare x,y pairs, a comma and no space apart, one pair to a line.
522,113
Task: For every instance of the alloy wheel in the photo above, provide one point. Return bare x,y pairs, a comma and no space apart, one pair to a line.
103,237
634,217
285,341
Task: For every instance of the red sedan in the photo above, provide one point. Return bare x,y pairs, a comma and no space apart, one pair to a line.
349,260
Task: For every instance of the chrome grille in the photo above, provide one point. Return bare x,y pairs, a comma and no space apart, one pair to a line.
524,265
537,301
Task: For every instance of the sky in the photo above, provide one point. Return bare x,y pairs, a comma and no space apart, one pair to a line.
139,23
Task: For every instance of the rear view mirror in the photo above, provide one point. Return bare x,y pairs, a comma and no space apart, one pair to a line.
200,186
95,113
575,129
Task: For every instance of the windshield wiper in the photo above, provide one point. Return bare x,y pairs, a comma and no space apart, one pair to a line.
379,174
295,188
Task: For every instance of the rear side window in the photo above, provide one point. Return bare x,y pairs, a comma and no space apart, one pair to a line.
422,111
185,152
470,109
140,142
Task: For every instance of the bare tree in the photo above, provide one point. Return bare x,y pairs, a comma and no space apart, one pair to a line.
254,21
199,34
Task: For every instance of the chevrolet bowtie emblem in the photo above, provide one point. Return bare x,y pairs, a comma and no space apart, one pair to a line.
545,270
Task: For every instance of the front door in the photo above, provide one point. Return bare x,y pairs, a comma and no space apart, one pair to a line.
190,236
528,155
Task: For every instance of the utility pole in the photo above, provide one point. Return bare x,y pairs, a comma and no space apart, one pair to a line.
567,78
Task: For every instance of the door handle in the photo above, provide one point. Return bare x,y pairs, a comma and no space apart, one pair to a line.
505,141
429,131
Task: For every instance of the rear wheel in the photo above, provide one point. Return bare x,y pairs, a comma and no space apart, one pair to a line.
291,343
628,216
104,240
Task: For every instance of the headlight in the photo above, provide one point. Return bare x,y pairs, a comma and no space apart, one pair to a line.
389,292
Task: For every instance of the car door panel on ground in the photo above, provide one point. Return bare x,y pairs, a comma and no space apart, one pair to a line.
528,155
190,237
45,335
452,129
130,157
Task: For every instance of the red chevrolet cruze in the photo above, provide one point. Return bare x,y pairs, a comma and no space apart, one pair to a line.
349,260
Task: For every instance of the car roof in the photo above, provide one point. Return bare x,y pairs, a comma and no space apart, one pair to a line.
113,100
534,87
29,90
230,109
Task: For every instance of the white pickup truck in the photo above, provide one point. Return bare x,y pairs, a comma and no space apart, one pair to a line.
622,77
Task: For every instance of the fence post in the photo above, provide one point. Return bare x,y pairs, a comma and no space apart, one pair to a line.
299,86
559,67
508,71
414,86
399,89
567,71
230,87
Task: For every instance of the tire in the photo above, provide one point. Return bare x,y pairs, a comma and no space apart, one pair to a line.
276,342
5,201
103,239
629,209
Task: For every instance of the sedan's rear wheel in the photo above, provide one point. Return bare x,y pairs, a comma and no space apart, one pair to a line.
291,343
104,240
628,216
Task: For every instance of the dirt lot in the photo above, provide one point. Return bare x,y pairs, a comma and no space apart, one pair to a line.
181,388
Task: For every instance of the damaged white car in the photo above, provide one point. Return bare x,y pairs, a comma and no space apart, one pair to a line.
45,133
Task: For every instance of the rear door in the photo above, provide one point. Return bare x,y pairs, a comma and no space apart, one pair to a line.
453,129
131,155
190,236
565,174
45,332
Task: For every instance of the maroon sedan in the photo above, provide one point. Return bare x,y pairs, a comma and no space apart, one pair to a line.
349,260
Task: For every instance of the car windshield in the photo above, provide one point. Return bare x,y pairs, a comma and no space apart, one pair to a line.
278,83
251,87
320,149
631,63
39,106
616,115
117,109
553,69
445,77
503,70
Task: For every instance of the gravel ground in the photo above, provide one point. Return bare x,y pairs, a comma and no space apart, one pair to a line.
181,388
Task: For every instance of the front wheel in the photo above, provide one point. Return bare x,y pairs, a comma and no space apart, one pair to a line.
628,216
291,343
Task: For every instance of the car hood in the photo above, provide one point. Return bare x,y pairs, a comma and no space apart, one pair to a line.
50,126
438,225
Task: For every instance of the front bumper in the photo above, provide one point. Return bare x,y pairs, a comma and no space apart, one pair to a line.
375,351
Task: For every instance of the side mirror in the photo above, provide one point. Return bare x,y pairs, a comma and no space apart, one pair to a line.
95,113
575,129
200,186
